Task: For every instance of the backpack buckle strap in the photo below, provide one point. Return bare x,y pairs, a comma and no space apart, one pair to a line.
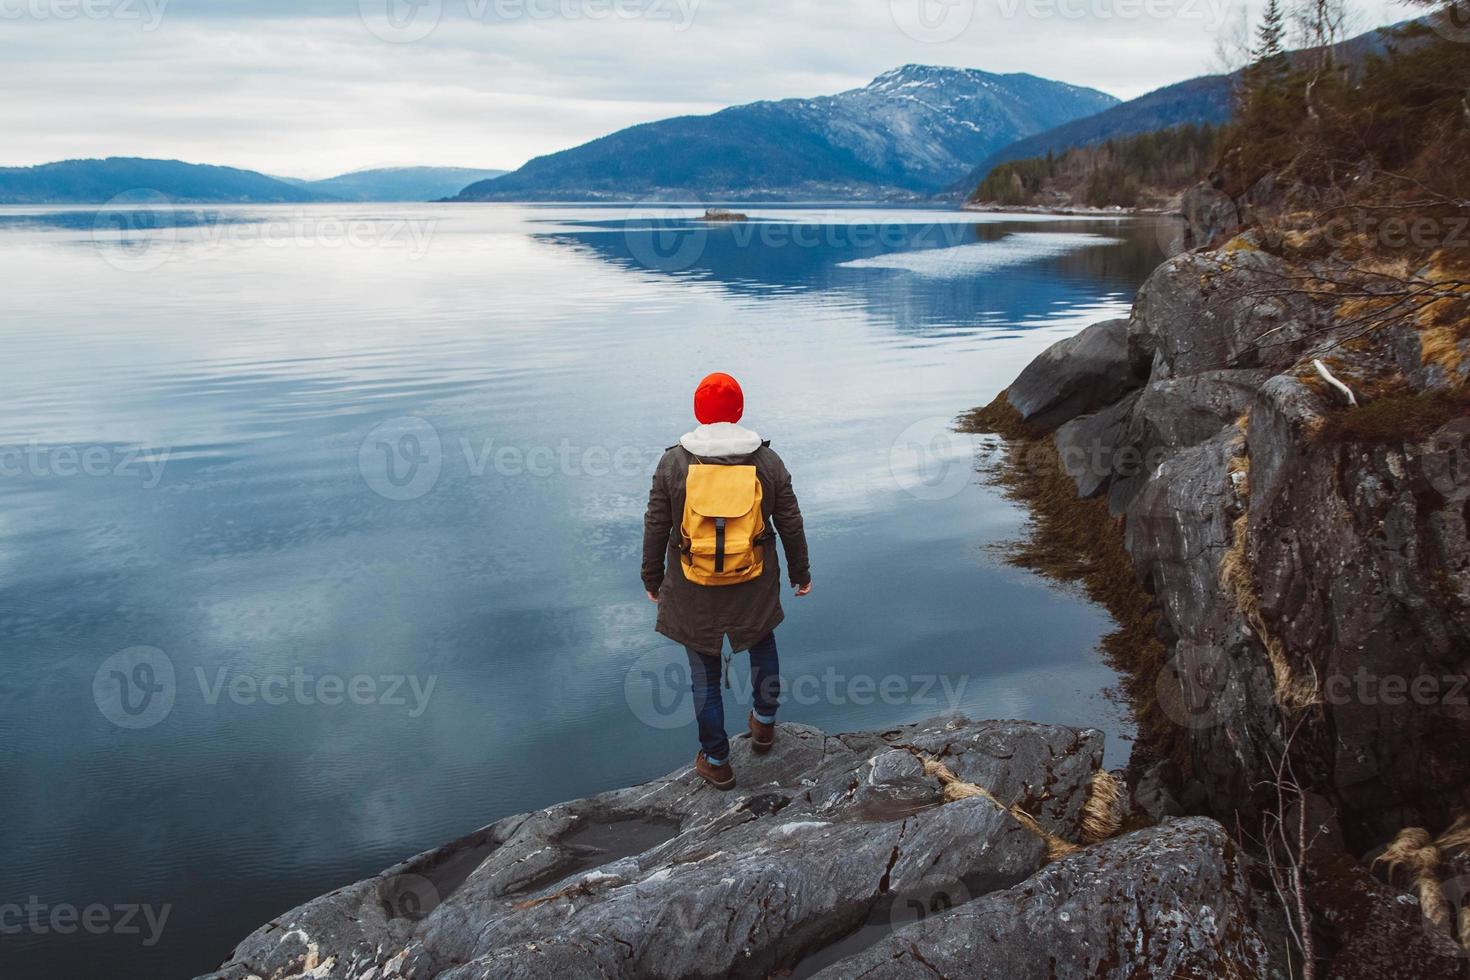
719,544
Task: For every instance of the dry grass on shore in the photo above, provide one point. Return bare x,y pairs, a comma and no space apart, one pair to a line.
1397,419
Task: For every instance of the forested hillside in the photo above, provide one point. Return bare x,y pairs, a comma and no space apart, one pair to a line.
1144,171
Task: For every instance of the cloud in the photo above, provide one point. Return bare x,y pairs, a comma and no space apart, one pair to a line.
311,88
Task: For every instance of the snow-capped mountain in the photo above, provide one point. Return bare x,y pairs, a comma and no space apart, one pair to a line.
910,132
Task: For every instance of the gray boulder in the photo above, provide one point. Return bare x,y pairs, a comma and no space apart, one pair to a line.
1095,448
1178,530
826,838
1175,413
1169,901
1123,445
1230,308
1075,376
1216,690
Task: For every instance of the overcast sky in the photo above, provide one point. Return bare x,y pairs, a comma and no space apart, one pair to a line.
312,88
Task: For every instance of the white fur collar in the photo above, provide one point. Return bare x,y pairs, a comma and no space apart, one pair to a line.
720,439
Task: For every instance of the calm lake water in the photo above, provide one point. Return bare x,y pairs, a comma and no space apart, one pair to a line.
320,529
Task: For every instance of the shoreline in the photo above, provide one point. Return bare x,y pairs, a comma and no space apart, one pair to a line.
1078,211
1073,541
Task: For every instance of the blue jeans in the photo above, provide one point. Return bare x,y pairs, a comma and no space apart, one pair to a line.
709,707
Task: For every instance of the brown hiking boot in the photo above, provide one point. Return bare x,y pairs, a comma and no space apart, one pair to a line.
762,736
720,777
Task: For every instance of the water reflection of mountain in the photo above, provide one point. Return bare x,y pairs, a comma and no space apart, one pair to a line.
762,258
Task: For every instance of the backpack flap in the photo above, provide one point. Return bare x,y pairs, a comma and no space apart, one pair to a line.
723,525
721,491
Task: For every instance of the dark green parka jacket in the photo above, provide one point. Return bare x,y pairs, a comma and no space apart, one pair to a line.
701,616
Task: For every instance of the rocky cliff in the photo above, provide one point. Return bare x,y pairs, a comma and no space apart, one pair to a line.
1284,442
954,848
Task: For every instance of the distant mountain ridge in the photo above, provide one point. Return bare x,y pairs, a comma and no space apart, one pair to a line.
400,183
97,181
1206,99
910,132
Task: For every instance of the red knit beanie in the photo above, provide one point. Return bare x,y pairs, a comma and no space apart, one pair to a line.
718,399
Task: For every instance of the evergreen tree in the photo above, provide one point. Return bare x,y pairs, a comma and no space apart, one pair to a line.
1269,63
1270,35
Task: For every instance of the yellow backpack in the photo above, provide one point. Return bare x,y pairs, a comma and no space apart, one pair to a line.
722,533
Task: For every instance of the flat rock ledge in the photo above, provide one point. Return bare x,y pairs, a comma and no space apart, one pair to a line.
837,856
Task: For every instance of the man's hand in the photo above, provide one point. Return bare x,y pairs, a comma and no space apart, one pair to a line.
804,589
652,596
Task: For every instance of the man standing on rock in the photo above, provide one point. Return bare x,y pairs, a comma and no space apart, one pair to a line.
715,498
